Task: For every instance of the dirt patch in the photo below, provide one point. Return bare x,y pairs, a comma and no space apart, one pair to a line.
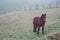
54,37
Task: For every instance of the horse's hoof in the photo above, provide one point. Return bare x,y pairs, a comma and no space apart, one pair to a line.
34,31
37,33
42,33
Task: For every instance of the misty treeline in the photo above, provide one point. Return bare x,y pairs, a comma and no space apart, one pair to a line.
37,7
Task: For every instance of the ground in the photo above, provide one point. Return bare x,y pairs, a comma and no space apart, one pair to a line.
18,25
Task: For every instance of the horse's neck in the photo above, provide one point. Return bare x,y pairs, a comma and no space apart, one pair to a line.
43,19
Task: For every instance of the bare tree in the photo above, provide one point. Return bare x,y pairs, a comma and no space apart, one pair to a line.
56,5
36,6
25,8
49,5
30,8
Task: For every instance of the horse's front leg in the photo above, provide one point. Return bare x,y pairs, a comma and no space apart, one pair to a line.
43,29
38,30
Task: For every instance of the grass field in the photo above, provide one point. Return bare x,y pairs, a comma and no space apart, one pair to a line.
18,25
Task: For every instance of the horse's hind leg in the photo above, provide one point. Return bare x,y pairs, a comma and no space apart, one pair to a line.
34,28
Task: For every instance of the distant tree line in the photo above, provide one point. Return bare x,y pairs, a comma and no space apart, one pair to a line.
49,6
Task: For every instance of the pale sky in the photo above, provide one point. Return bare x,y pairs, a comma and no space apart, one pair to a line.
27,3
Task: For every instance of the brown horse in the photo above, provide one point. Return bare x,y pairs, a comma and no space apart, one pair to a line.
39,22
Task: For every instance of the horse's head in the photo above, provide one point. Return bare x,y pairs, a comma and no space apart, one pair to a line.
43,16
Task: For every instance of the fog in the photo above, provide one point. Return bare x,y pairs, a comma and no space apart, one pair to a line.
27,2
18,5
